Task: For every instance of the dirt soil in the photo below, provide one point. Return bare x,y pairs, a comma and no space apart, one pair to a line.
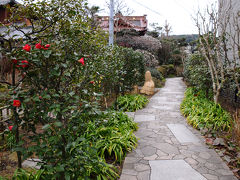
8,163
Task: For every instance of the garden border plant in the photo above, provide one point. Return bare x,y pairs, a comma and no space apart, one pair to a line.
63,75
203,113
131,102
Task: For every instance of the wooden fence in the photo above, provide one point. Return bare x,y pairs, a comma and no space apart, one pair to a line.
5,115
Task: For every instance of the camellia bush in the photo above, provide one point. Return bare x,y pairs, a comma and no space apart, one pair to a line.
64,68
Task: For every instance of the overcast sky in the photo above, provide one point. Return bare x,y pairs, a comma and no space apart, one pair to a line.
177,12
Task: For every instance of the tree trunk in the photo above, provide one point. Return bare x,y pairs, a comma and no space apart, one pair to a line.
16,120
216,96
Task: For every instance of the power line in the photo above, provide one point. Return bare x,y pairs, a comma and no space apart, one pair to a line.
148,8
186,10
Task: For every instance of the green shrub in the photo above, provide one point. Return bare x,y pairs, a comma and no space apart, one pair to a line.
88,168
119,70
120,119
114,137
155,73
149,58
158,83
134,67
179,70
131,103
65,73
203,113
196,72
21,174
167,70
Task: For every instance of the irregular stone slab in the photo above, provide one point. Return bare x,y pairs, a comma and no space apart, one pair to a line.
145,175
127,177
130,172
130,114
159,98
31,163
183,134
173,170
165,108
166,148
131,160
142,118
149,151
141,167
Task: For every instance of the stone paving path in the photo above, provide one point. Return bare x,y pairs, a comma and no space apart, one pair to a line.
169,149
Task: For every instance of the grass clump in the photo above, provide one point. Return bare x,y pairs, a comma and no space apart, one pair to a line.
204,113
131,103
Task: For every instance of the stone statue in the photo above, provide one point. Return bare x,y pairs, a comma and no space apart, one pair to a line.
135,89
149,86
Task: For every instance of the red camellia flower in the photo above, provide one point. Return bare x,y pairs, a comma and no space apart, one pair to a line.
16,103
47,46
27,47
44,48
10,128
24,63
92,82
38,46
15,61
81,61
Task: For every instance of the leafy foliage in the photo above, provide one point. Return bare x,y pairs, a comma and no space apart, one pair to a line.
167,70
134,67
65,68
196,72
170,52
131,102
155,73
146,43
203,113
114,137
149,58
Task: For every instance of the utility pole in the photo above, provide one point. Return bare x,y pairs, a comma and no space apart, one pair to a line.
111,23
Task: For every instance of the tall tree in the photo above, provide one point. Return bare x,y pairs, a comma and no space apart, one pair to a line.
216,27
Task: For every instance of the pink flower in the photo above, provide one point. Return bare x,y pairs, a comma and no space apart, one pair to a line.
92,82
10,128
27,47
81,61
